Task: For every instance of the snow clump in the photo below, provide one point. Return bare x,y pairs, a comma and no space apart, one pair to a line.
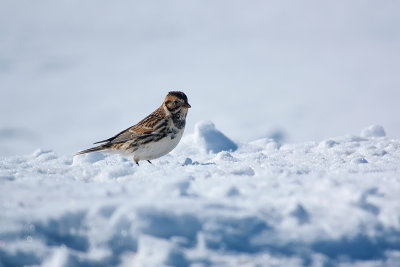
373,131
212,139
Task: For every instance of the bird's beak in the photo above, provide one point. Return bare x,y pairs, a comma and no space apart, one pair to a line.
186,105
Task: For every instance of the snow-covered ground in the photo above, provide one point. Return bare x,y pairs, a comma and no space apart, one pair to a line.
74,72
210,202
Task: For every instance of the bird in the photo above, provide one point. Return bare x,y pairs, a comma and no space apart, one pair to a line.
154,136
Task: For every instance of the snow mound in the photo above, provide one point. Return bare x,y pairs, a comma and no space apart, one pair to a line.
212,139
373,131
332,203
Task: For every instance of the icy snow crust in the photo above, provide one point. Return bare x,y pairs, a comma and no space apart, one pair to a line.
336,202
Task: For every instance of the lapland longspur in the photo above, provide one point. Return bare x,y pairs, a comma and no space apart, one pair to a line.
154,136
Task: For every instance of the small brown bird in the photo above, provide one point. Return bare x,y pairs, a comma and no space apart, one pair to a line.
154,136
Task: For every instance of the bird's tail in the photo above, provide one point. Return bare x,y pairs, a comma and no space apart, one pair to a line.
93,149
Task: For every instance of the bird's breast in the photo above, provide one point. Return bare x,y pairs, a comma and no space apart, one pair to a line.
153,150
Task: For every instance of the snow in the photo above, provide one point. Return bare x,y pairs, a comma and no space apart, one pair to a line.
212,139
290,155
334,202
373,131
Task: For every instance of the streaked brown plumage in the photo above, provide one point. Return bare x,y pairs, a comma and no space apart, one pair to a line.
155,135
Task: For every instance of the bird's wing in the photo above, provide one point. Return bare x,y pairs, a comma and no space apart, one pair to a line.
154,124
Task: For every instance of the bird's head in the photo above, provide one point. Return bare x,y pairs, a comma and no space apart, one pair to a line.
176,101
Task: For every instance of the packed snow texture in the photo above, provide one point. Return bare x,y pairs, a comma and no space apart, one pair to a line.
329,203
74,72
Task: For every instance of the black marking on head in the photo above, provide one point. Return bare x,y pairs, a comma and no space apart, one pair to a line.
173,106
180,95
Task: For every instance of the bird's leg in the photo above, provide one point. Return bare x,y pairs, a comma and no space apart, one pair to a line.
137,162
149,161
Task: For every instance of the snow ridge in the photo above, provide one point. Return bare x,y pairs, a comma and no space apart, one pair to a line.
210,202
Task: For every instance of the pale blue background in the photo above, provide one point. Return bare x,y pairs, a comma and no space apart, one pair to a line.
74,72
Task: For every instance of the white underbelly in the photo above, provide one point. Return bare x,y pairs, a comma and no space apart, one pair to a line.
157,149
